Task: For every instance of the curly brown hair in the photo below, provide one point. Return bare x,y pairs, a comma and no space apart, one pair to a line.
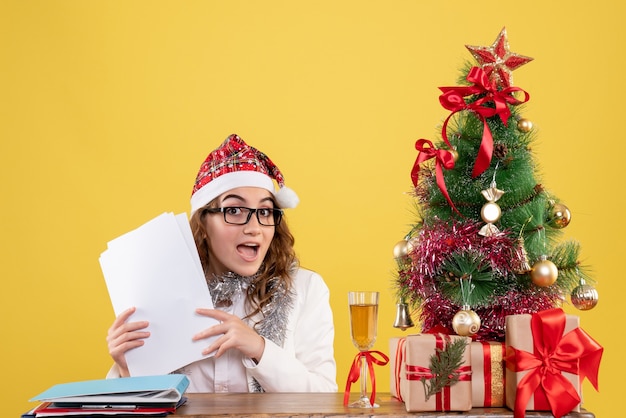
279,262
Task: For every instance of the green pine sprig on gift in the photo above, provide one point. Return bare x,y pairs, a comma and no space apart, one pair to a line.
444,366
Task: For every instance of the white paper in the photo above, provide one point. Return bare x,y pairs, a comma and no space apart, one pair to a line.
156,269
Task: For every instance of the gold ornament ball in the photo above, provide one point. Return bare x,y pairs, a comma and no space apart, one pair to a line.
455,154
524,125
490,212
402,249
544,273
584,297
466,323
560,216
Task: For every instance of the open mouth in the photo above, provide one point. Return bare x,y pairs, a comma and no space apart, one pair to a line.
248,251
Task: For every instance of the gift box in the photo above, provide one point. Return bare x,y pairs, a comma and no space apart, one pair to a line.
487,361
420,383
396,346
547,357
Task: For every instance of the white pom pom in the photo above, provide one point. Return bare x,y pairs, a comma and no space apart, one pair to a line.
287,198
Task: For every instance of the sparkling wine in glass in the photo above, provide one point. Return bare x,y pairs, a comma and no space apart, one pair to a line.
363,323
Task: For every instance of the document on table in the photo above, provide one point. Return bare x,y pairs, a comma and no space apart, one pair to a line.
156,269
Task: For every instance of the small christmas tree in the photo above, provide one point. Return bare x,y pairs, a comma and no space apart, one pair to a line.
486,242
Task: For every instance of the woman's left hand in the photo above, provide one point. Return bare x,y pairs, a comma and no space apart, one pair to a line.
236,334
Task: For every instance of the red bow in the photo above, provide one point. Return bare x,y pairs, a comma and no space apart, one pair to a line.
453,98
355,372
576,352
443,158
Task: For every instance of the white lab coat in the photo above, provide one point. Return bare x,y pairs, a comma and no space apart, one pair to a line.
305,362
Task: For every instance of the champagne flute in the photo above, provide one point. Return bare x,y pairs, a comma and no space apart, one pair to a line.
363,323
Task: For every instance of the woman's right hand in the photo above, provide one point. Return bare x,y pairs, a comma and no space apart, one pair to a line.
124,336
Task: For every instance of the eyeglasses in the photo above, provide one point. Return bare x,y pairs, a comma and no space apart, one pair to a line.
239,215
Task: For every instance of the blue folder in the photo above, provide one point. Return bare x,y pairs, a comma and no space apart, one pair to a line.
125,390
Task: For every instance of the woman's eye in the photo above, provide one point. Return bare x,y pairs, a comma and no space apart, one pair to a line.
265,212
233,211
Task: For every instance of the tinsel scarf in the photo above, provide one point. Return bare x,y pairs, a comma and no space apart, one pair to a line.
228,287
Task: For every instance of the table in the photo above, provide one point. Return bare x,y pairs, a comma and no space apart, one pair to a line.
319,405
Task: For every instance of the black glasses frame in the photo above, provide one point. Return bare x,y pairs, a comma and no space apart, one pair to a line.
277,214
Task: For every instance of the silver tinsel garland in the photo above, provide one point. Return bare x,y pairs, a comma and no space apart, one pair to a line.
228,287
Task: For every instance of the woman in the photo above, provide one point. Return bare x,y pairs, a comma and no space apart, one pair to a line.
275,330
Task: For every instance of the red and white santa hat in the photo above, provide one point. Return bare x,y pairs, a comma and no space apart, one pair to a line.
236,164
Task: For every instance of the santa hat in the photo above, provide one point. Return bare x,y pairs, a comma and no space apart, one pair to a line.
236,164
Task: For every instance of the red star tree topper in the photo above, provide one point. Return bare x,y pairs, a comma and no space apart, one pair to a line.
498,61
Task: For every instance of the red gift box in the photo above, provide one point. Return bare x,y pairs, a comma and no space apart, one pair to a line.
547,357
487,360
410,362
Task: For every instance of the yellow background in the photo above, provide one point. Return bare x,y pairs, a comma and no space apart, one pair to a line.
107,109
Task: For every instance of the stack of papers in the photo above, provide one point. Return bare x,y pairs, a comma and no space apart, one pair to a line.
140,396
156,269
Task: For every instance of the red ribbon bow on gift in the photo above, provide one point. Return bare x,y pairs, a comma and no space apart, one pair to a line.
494,102
576,352
355,372
443,159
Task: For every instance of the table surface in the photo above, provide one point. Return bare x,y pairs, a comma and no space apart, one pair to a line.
320,405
